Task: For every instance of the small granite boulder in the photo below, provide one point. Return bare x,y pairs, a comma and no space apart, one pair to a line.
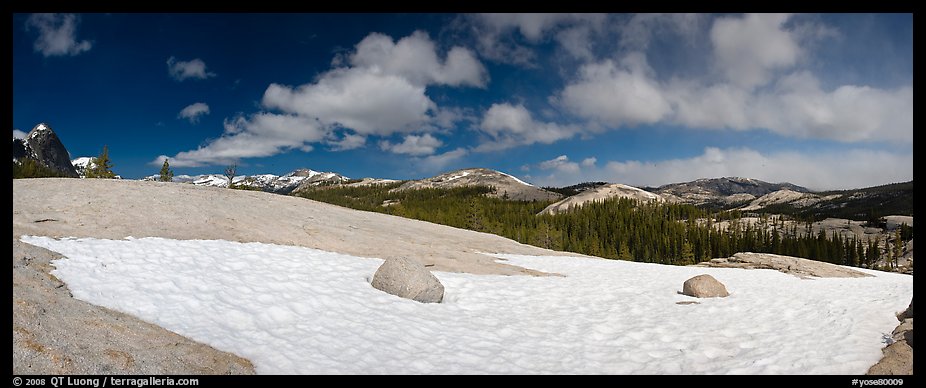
408,279
704,286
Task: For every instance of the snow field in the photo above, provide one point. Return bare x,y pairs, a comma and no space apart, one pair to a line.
296,310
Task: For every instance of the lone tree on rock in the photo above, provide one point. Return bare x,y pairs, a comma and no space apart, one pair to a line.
230,172
101,166
166,175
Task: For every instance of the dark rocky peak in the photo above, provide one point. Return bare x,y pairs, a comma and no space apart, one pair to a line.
43,145
48,149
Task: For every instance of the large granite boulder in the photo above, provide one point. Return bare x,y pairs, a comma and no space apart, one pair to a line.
408,279
704,286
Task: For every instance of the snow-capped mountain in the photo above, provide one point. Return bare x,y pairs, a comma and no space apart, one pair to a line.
82,164
285,184
506,186
44,146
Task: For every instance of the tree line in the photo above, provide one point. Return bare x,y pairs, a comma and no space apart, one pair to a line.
616,228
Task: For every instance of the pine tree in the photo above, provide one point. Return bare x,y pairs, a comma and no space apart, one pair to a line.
101,166
898,248
624,253
166,175
475,217
688,256
875,253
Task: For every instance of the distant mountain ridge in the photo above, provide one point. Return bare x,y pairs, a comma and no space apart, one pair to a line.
721,192
292,182
748,194
506,186
857,204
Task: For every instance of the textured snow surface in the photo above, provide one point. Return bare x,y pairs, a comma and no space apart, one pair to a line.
299,310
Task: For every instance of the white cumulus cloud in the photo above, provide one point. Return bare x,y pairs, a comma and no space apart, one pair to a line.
415,145
761,87
822,170
616,95
260,135
747,48
819,170
57,34
17,134
415,59
513,125
365,100
194,111
378,89
798,107
182,70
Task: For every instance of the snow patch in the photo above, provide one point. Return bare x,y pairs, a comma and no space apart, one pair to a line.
299,310
516,179
455,177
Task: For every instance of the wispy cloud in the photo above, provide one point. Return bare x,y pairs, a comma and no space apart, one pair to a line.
439,162
560,164
194,111
348,141
508,37
57,34
192,69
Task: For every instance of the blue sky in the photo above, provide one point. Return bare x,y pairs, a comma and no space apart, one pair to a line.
824,101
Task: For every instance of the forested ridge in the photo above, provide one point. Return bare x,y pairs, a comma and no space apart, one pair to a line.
616,228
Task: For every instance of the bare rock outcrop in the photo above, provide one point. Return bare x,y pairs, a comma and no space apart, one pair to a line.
898,356
408,279
802,268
